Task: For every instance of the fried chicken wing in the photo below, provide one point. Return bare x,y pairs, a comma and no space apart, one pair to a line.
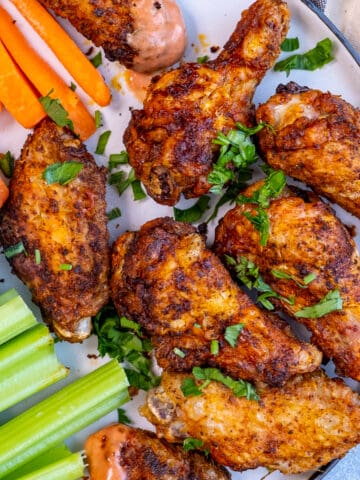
169,142
166,279
120,452
300,426
316,139
63,228
144,35
305,238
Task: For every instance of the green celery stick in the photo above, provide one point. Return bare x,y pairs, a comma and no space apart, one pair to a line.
61,415
15,316
69,468
28,364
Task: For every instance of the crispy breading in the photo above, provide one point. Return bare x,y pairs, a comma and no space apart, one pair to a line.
67,224
305,237
300,426
316,139
165,278
119,451
169,142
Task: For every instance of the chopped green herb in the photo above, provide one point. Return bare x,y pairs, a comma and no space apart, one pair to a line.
122,417
283,275
102,142
214,347
14,250
197,325
116,159
189,388
37,256
309,278
98,119
96,60
73,87
232,333
290,44
56,111
331,302
114,213
126,323
194,213
311,60
192,444
138,192
179,352
203,59
231,192
7,164
62,172
66,266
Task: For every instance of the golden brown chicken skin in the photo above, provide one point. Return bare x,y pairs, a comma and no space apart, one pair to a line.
165,278
66,225
124,453
169,142
316,139
300,426
305,238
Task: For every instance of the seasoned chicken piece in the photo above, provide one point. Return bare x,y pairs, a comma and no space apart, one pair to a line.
169,142
300,426
166,279
316,139
119,452
305,238
145,35
63,228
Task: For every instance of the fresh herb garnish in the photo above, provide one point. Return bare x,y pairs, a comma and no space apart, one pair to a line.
7,164
138,192
96,60
116,159
272,187
232,333
73,87
114,213
214,347
14,250
191,443
231,192
122,181
122,338
240,388
331,302
290,44
66,266
62,172
194,213
286,276
315,58
98,119
102,142
179,352
56,111
309,278
203,59
37,256
122,417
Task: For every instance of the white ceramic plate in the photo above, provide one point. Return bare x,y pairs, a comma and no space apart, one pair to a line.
209,23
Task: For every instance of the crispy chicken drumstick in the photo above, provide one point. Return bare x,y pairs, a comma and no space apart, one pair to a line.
169,142
305,238
166,279
63,229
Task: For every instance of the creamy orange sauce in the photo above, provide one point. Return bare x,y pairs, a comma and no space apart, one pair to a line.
159,34
137,83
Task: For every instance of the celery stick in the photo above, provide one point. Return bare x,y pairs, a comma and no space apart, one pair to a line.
28,364
69,468
67,411
15,315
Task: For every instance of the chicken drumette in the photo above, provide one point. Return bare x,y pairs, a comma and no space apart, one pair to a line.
62,228
315,138
169,142
300,426
166,279
305,237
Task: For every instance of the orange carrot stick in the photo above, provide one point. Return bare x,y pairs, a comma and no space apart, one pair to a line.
43,77
69,54
16,93
4,192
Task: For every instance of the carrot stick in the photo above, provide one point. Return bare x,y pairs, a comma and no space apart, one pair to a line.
69,54
43,77
16,93
4,192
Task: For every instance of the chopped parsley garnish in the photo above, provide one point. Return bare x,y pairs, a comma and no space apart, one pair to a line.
62,172
56,111
122,338
191,443
14,250
232,333
194,213
197,325
309,278
122,181
179,352
138,192
37,256
66,266
290,44
283,275
203,59
98,119
311,60
102,142
97,59
231,193
331,302
214,347
116,159
73,87
114,213
272,187
240,388
122,417
7,164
